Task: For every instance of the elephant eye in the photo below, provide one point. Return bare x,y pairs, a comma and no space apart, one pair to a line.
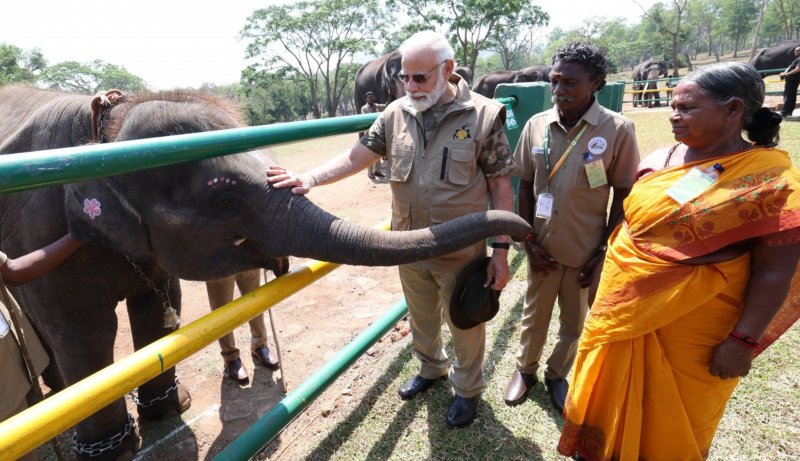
226,200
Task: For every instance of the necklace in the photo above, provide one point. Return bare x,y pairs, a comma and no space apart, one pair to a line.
743,148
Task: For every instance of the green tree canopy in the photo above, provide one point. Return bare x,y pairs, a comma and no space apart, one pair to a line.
471,24
19,66
89,78
312,40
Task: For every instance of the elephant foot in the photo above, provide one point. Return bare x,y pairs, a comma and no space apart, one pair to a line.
173,402
119,447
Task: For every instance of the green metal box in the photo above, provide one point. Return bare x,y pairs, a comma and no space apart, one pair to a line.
611,96
531,98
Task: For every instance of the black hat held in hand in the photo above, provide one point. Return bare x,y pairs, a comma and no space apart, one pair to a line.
471,304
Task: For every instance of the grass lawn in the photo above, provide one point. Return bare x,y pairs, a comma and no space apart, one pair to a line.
762,420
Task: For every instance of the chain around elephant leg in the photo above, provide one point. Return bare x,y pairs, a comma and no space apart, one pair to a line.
120,446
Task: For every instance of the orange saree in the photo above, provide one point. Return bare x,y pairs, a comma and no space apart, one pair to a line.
641,387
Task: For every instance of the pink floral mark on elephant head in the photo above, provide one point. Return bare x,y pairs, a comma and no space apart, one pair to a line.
92,207
218,181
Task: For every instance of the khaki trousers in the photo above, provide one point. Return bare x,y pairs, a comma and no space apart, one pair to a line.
220,292
427,294
540,298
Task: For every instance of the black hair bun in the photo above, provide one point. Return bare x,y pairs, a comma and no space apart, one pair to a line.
765,119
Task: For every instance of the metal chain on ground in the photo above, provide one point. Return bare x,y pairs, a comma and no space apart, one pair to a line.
171,318
111,443
150,402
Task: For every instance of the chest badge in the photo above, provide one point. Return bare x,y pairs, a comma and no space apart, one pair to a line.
463,132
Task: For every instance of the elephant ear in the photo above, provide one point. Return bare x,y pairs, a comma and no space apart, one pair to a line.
97,211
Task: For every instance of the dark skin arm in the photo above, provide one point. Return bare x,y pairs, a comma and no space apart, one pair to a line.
37,263
538,259
590,274
766,291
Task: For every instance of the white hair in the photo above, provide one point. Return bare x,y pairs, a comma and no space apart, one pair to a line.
428,39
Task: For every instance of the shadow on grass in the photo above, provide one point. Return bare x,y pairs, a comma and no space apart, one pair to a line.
344,430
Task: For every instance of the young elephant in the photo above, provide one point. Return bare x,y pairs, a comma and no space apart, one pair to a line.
201,220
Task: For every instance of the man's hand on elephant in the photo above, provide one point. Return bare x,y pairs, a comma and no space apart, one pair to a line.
497,270
281,177
539,260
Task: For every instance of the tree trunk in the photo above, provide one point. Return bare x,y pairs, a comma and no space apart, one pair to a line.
753,46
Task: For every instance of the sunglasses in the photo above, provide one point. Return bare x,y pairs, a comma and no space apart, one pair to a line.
418,78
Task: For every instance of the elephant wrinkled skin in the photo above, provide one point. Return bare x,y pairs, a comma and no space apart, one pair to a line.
200,220
775,58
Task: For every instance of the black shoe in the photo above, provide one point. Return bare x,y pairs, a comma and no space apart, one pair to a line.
462,411
265,357
235,370
557,388
518,388
416,385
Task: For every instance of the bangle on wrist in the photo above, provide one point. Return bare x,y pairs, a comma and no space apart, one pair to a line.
501,245
744,340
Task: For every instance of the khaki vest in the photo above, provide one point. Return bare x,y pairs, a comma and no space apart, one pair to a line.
433,184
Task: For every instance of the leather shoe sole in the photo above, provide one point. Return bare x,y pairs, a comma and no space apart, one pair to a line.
265,357
417,385
518,388
462,411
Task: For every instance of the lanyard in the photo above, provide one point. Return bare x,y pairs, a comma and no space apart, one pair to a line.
566,152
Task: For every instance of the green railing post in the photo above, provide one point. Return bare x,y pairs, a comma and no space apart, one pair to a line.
61,166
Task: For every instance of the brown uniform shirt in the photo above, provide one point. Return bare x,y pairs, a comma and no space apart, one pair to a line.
367,109
578,221
14,382
439,160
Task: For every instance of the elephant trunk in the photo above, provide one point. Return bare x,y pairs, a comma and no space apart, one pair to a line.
313,233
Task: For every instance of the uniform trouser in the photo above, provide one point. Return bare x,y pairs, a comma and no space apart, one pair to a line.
790,95
220,292
427,294
540,298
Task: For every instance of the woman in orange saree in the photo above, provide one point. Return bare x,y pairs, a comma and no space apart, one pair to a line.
690,292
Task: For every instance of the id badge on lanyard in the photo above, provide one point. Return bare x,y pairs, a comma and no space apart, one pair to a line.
544,201
694,183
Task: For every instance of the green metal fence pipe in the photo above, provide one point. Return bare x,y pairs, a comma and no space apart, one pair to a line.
512,101
250,442
61,166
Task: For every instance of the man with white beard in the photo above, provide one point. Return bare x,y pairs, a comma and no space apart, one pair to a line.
448,156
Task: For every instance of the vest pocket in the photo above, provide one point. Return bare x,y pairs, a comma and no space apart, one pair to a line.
462,162
402,159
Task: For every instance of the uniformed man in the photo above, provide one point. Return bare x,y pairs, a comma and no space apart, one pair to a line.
370,108
448,156
568,159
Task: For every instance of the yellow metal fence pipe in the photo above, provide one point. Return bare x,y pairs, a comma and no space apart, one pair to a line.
33,427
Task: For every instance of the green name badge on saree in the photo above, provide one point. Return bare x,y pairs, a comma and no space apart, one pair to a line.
692,184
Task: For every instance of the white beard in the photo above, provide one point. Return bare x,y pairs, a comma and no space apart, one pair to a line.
421,105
